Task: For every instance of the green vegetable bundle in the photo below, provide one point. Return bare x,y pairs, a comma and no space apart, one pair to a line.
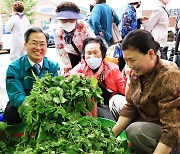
53,114
59,99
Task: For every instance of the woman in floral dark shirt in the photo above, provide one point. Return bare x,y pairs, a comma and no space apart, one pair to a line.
70,33
152,111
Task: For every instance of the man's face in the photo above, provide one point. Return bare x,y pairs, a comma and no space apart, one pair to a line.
36,47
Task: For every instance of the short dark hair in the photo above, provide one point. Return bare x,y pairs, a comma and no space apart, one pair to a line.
67,6
94,40
100,1
134,3
18,6
140,39
36,30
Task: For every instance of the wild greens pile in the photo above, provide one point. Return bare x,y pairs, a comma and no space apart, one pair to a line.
53,114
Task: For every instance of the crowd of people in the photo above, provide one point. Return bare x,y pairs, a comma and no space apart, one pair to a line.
143,97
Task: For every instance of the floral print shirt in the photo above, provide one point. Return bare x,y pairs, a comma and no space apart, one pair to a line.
156,98
128,21
81,32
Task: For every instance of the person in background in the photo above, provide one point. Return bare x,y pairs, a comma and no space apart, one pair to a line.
151,115
91,6
109,77
1,33
17,25
139,16
100,21
177,27
70,33
158,24
20,73
128,22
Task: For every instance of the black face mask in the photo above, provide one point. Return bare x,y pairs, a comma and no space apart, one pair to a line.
91,7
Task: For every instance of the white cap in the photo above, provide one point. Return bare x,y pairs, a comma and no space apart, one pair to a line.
133,1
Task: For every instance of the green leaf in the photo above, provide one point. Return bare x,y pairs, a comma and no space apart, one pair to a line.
60,111
41,134
94,81
83,122
79,94
90,106
3,126
56,100
80,106
2,145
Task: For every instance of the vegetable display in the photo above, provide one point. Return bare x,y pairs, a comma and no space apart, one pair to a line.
55,119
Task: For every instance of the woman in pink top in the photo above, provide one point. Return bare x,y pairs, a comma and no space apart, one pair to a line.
109,77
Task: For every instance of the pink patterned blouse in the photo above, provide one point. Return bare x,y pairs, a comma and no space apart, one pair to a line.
81,32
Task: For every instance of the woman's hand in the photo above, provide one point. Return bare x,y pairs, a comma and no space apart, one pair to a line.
121,124
162,149
126,71
66,70
80,74
70,75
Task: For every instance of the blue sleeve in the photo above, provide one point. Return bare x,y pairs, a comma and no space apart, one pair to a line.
53,67
55,70
14,87
116,18
95,20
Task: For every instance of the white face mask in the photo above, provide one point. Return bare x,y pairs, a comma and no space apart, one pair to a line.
93,63
68,26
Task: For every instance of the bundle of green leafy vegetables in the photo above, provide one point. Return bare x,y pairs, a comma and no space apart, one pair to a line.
53,115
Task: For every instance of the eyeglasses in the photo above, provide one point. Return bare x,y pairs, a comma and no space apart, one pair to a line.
36,44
